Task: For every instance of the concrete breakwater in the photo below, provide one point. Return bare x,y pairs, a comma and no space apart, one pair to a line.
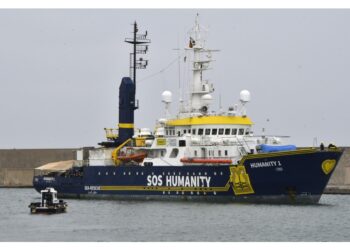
17,167
340,180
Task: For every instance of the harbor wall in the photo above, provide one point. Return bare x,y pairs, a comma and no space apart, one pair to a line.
340,180
17,167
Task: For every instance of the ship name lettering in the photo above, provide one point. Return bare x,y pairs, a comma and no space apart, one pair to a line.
265,164
179,181
154,180
90,188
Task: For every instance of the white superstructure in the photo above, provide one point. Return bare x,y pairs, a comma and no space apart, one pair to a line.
196,135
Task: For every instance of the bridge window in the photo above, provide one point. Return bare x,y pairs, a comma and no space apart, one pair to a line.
214,131
234,131
194,131
221,131
207,131
200,131
241,131
247,131
227,131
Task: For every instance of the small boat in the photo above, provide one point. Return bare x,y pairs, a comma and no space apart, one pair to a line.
137,157
49,203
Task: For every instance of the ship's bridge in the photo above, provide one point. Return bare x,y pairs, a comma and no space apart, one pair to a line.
209,125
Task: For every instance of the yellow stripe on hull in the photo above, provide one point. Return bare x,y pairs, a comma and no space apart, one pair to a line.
209,120
163,188
280,153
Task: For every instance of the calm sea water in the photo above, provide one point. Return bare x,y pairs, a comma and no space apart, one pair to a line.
96,220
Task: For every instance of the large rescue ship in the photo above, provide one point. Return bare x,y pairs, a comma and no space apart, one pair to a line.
198,154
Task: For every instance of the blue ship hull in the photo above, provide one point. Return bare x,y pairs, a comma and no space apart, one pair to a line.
298,176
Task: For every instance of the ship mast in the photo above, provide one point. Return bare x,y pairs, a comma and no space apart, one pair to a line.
139,42
200,89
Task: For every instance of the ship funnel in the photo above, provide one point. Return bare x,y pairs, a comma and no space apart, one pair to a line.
126,109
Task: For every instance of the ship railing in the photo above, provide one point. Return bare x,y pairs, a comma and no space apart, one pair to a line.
111,133
243,147
267,139
226,141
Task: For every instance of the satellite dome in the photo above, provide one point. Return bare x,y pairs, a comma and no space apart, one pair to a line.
167,96
244,96
162,120
207,99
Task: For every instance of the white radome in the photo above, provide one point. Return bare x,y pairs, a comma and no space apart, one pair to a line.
167,96
244,95
162,121
207,99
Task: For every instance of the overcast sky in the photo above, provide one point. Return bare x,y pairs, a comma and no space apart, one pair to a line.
60,71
